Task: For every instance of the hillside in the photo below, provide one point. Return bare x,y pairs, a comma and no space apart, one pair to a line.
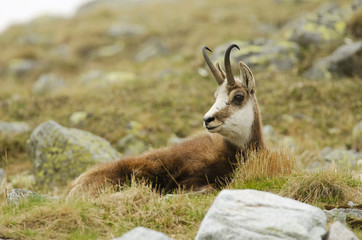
132,73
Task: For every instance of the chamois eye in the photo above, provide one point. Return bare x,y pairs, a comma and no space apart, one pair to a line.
238,98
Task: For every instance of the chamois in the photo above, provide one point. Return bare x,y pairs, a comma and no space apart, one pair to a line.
198,163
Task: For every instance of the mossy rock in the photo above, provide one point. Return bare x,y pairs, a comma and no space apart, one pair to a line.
344,61
59,154
328,24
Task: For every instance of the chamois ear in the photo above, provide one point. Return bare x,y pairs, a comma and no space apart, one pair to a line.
247,77
223,74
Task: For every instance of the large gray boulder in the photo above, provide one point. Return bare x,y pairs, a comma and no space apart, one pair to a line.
338,231
141,233
262,54
251,214
59,154
344,61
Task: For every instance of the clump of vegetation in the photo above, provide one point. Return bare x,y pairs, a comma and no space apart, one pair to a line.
323,187
354,25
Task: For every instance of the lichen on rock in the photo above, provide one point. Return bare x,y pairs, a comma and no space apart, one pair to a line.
59,154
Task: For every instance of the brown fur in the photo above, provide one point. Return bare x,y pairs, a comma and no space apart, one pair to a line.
206,160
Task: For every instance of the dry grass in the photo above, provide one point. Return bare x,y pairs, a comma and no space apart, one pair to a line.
323,187
265,163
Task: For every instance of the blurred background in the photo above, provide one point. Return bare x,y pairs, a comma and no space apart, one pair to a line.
132,73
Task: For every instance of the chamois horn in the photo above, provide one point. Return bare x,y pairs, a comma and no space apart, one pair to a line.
212,67
229,73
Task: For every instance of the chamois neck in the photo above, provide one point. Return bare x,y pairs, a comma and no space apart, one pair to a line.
250,136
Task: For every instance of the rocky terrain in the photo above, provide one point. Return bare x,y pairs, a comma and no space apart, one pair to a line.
122,77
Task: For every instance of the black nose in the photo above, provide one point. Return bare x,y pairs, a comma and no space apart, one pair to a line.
209,119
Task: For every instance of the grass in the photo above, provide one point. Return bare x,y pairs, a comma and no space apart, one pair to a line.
168,104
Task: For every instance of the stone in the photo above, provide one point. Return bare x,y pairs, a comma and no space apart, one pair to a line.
338,231
269,133
344,158
17,195
19,67
341,214
173,140
142,233
59,154
107,51
78,117
133,143
250,214
125,30
98,79
34,39
262,54
357,137
344,61
325,25
13,128
152,48
47,83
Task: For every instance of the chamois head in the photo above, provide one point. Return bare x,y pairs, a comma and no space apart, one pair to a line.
235,113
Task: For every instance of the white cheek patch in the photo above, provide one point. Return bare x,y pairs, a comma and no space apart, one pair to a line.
237,128
221,100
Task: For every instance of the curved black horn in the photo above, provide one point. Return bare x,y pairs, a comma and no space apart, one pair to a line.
229,73
212,67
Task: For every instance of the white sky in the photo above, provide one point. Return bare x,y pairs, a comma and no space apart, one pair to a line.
19,11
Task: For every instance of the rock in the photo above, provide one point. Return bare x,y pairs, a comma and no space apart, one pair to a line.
125,30
133,143
341,214
141,233
98,79
338,231
251,214
13,128
262,54
33,39
357,137
356,4
78,117
325,25
47,83
288,142
107,51
17,195
342,157
344,61
19,67
59,154
269,133
173,140
150,49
